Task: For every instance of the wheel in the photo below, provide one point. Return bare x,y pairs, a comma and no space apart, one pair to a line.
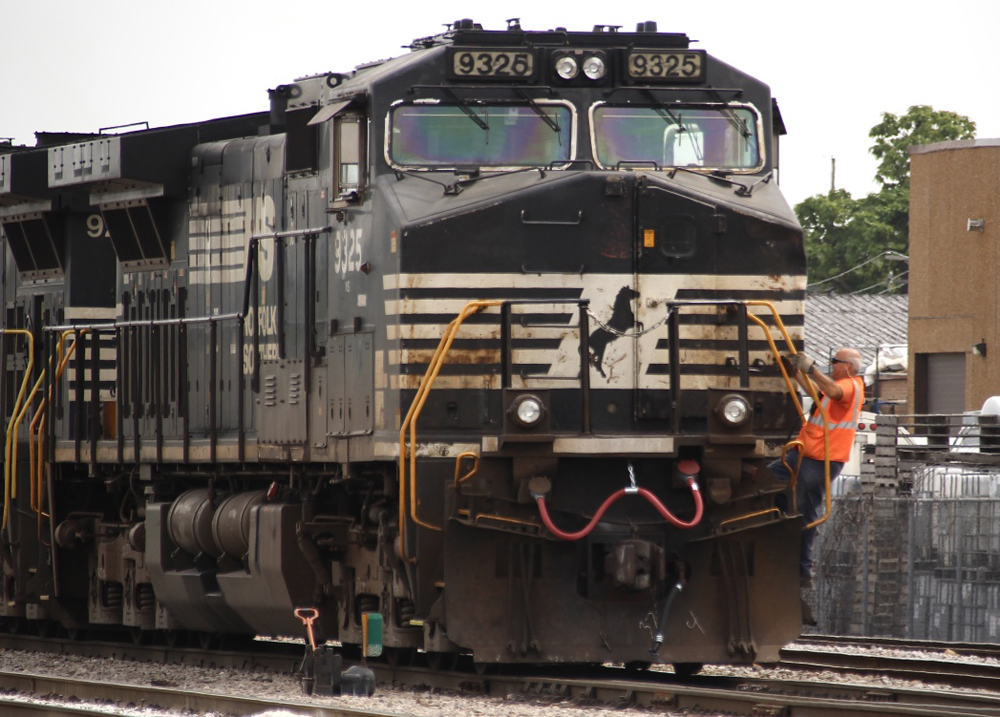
687,669
76,634
442,661
209,640
638,665
140,636
486,668
399,656
174,638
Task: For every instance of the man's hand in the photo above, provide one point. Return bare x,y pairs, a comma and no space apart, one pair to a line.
804,363
797,362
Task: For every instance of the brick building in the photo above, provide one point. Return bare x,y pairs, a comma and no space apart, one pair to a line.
954,306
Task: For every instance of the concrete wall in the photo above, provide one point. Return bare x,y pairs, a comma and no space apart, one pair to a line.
954,272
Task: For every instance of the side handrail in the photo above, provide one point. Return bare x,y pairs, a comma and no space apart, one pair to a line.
793,472
469,473
410,423
37,472
812,394
11,442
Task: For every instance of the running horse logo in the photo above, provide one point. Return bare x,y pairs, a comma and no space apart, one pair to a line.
622,319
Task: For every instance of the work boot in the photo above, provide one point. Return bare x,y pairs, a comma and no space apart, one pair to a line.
805,595
807,613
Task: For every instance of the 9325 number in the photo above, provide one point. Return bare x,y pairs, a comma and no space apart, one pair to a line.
506,64
666,65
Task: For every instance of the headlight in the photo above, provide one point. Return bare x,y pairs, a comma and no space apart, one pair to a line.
567,68
594,67
733,410
527,410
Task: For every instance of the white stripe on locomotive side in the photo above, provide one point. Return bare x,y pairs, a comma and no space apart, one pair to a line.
692,382
716,282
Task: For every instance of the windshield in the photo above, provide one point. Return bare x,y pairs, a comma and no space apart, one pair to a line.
480,135
715,137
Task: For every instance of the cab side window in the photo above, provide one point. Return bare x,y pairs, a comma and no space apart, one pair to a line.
349,153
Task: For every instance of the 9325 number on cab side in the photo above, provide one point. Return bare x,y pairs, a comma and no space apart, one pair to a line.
515,64
652,66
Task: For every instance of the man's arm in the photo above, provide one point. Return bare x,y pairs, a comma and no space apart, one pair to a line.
824,383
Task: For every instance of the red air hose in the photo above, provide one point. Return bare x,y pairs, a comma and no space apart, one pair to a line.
585,531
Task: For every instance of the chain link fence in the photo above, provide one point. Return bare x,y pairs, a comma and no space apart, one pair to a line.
919,563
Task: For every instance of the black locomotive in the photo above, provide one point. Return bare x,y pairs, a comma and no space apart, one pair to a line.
480,338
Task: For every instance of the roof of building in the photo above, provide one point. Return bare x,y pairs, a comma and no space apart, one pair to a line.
861,321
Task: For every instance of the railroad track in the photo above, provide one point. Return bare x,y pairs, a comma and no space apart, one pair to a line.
969,649
735,695
821,653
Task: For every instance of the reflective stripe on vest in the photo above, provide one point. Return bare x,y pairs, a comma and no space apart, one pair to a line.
841,432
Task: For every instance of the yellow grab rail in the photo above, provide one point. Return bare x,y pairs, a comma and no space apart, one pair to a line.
747,516
10,447
410,423
38,423
793,472
812,394
458,466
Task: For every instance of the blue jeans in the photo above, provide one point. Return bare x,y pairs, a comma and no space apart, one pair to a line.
809,499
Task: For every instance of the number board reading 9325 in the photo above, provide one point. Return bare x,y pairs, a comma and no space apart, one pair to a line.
653,66
491,64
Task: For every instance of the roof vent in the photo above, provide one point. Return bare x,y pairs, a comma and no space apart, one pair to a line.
648,26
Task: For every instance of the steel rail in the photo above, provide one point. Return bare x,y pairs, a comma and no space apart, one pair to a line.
954,673
972,649
609,686
785,698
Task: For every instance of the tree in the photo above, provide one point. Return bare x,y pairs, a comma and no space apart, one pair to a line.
920,125
853,245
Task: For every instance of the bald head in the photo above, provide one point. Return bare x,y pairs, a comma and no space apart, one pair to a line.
849,359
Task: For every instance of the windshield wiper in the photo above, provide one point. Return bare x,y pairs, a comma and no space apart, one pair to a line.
464,106
664,111
743,190
466,176
536,108
739,124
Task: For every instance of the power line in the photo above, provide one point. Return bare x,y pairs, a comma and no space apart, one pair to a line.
889,254
887,280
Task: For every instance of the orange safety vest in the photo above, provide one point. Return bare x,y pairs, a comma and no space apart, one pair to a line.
843,423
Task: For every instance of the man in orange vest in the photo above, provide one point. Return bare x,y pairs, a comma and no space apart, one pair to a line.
841,395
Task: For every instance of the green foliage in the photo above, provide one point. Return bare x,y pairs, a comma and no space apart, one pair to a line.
847,239
920,125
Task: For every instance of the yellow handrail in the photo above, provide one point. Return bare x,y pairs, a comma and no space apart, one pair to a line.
747,516
410,423
793,472
38,423
10,447
795,399
458,466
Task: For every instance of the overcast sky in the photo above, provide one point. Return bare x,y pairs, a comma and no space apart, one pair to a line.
834,67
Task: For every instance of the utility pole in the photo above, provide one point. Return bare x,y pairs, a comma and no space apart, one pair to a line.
833,174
